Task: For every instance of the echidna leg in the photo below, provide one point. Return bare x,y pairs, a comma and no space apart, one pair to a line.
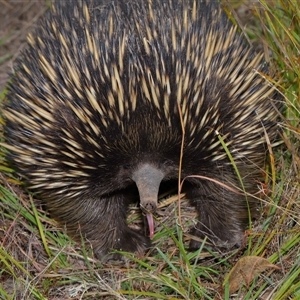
102,222
223,216
113,231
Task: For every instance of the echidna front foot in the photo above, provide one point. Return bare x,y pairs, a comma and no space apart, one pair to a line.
222,240
223,217
132,241
105,228
125,240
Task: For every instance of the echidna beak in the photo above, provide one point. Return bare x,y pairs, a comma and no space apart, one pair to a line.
148,178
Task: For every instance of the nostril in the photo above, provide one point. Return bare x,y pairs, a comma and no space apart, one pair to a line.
149,207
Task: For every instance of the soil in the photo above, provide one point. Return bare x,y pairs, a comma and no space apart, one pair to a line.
17,18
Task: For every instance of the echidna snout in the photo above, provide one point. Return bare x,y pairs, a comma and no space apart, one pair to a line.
148,178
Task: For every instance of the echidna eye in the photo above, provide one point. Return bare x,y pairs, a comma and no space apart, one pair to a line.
126,166
167,163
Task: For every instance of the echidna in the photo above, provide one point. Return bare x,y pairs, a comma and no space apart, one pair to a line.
106,93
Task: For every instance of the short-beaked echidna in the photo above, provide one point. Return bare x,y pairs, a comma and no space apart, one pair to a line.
99,102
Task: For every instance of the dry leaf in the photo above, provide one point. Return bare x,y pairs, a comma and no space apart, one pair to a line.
245,270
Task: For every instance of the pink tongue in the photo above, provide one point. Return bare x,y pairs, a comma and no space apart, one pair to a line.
150,224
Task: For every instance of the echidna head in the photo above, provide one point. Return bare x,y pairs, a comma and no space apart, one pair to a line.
147,176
